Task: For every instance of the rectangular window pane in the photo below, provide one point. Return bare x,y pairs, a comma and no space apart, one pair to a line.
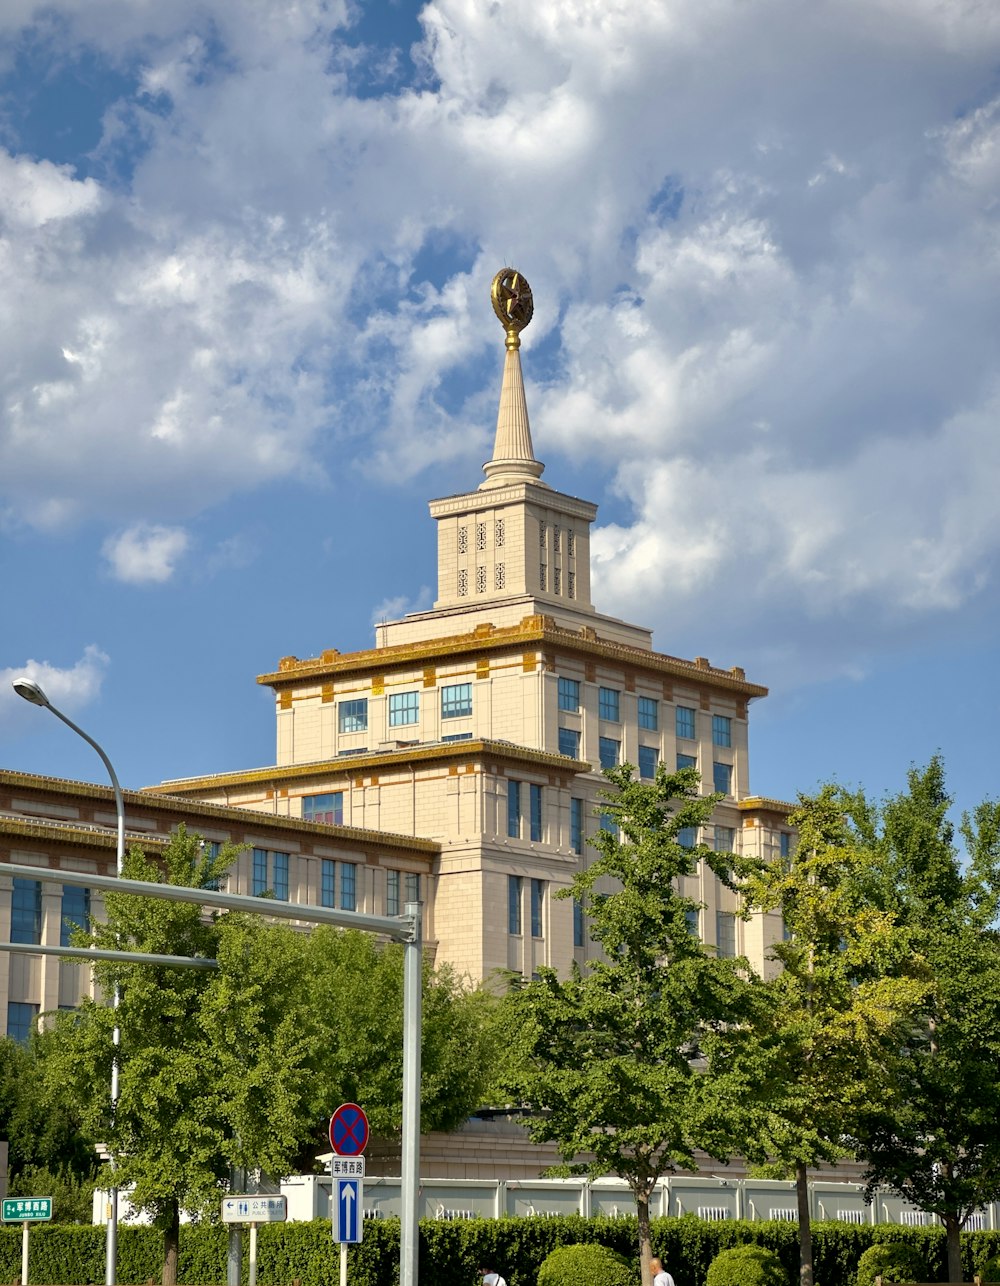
456,701
348,886
535,794
513,904
786,843
411,886
353,715
259,886
687,837
75,912
607,750
649,714
514,809
578,938
458,736
723,839
328,809
569,694
26,911
608,706
537,903
281,876
692,916
685,722
20,1020
328,883
608,824
686,761
722,778
404,708
725,933
569,742
722,730
576,825
392,893
648,756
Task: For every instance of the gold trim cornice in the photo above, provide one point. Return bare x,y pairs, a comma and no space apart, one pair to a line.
72,833
760,804
533,629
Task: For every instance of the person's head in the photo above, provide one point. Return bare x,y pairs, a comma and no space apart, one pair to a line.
656,1265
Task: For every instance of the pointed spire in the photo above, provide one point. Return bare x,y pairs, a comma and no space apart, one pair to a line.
513,455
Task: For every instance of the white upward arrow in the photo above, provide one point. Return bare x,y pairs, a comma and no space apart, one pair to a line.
347,1196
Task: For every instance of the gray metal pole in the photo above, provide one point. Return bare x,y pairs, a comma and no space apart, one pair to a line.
410,1171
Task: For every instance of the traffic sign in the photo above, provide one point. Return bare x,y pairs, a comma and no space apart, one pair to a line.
347,1167
26,1209
348,1130
254,1209
348,1219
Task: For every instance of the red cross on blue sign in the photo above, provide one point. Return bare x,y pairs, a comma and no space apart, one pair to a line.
348,1130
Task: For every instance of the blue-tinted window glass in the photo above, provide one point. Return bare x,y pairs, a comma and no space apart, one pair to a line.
535,797
686,837
685,722
75,912
609,824
26,911
259,886
607,750
392,893
786,843
513,904
648,756
649,713
20,1019
724,839
348,886
328,809
692,917
722,778
353,715
725,933
412,886
456,701
578,937
514,809
458,736
576,825
328,883
404,708
569,694
722,730
537,903
608,704
569,742
687,761
281,876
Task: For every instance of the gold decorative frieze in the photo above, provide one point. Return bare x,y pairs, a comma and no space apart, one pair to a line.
529,662
430,676
326,693
285,699
378,685
483,667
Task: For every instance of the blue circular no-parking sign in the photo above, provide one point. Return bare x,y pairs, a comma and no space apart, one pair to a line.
348,1130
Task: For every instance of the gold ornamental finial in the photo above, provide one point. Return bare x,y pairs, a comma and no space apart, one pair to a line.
512,303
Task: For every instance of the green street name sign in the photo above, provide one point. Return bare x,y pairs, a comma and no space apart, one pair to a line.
26,1209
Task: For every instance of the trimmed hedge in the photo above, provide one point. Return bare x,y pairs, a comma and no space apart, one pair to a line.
588,1262
894,1260
70,1254
746,1265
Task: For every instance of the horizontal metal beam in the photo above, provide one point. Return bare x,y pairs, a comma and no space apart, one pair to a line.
403,927
98,953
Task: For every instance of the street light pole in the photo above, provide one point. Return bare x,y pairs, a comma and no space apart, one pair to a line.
33,692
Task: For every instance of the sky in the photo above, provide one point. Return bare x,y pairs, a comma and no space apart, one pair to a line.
245,336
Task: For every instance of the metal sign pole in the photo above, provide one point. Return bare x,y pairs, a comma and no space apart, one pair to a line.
343,1263
24,1253
252,1276
410,1168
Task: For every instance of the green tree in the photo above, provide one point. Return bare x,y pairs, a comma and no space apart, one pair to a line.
934,1135
837,1008
612,1061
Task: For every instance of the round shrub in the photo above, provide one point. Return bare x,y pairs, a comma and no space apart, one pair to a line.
894,1260
596,1265
989,1269
747,1265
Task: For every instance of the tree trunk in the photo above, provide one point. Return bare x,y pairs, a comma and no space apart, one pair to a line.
645,1247
953,1231
805,1227
171,1243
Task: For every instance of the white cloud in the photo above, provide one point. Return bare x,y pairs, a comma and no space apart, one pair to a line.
69,688
145,554
393,609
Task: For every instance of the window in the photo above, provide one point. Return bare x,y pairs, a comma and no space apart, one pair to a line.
26,911
542,574
480,535
649,715
499,577
541,534
607,750
608,704
75,911
723,839
514,809
328,809
686,761
404,708
456,701
556,580
535,805
685,723
281,876
348,886
693,917
648,756
569,694
578,939
537,904
608,824
498,532
480,580
571,542
352,716
722,730
569,742
270,874
687,837
571,584
725,933
556,539
463,582
785,841
328,883
463,540
411,886
259,885
391,892
576,825
457,736
722,778
20,1019
210,852
514,904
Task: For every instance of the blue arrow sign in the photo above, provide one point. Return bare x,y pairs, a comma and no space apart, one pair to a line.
347,1216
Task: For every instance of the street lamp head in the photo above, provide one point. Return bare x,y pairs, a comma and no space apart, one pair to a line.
31,691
